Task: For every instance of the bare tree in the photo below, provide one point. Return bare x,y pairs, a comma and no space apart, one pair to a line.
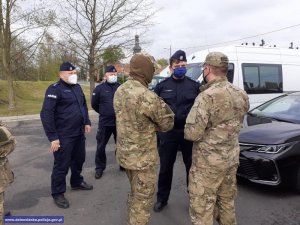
15,22
94,24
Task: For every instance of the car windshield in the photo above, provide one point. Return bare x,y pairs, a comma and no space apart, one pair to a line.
284,108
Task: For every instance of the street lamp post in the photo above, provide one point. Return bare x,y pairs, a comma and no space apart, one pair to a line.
170,50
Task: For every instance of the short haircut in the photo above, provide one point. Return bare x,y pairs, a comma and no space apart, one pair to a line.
219,71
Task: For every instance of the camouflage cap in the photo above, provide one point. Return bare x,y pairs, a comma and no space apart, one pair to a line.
217,59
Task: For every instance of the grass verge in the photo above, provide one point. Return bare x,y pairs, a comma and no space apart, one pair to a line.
29,97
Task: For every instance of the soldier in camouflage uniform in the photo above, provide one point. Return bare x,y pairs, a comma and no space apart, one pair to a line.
213,124
7,145
139,114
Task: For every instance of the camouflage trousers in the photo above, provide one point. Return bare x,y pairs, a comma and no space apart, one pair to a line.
141,197
212,192
1,207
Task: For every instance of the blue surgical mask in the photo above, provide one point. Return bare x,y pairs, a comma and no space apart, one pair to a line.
179,72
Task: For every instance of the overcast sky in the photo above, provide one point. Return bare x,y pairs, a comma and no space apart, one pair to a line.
191,25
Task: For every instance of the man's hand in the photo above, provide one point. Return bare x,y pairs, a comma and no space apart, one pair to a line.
55,145
87,129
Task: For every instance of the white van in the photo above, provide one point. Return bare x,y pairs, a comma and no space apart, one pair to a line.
263,72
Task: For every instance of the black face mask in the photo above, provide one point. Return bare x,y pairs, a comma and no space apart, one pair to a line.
204,80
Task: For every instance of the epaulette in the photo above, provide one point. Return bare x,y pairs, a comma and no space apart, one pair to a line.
55,84
102,82
164,80
100,85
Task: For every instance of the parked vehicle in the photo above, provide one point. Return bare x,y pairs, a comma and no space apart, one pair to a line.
263,72
155,80
270,142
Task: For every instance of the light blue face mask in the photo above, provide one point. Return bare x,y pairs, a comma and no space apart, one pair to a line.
179,72
112,79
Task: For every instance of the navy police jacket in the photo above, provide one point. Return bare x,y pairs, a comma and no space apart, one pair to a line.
179,95
64,112
102,103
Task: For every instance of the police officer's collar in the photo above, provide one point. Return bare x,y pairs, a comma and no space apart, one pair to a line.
111,84
178,80
65,83
213,82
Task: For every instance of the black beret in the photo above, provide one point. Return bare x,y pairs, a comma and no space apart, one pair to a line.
66,66
110,69
179,55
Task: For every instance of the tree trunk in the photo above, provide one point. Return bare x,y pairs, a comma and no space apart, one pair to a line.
5,42
92,76
11,92
9,77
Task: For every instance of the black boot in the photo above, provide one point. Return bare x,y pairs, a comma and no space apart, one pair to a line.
61,201
159,206
98,174
83,186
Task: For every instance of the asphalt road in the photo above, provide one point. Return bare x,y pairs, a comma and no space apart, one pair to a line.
30,195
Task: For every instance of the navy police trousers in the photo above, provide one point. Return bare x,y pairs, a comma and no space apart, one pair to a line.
70,155
103,135
169,143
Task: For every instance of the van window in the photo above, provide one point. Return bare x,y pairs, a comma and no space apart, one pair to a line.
230,72
262,78
194,70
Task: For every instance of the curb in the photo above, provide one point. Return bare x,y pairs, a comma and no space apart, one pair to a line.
20,118
6,119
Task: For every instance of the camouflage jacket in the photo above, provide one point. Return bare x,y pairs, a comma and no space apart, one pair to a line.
7,145
214,124
139,114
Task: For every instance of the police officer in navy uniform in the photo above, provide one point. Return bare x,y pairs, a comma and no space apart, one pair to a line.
65,120
102,103
179,92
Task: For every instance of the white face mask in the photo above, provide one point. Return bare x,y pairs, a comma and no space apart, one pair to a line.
73,79
112,79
